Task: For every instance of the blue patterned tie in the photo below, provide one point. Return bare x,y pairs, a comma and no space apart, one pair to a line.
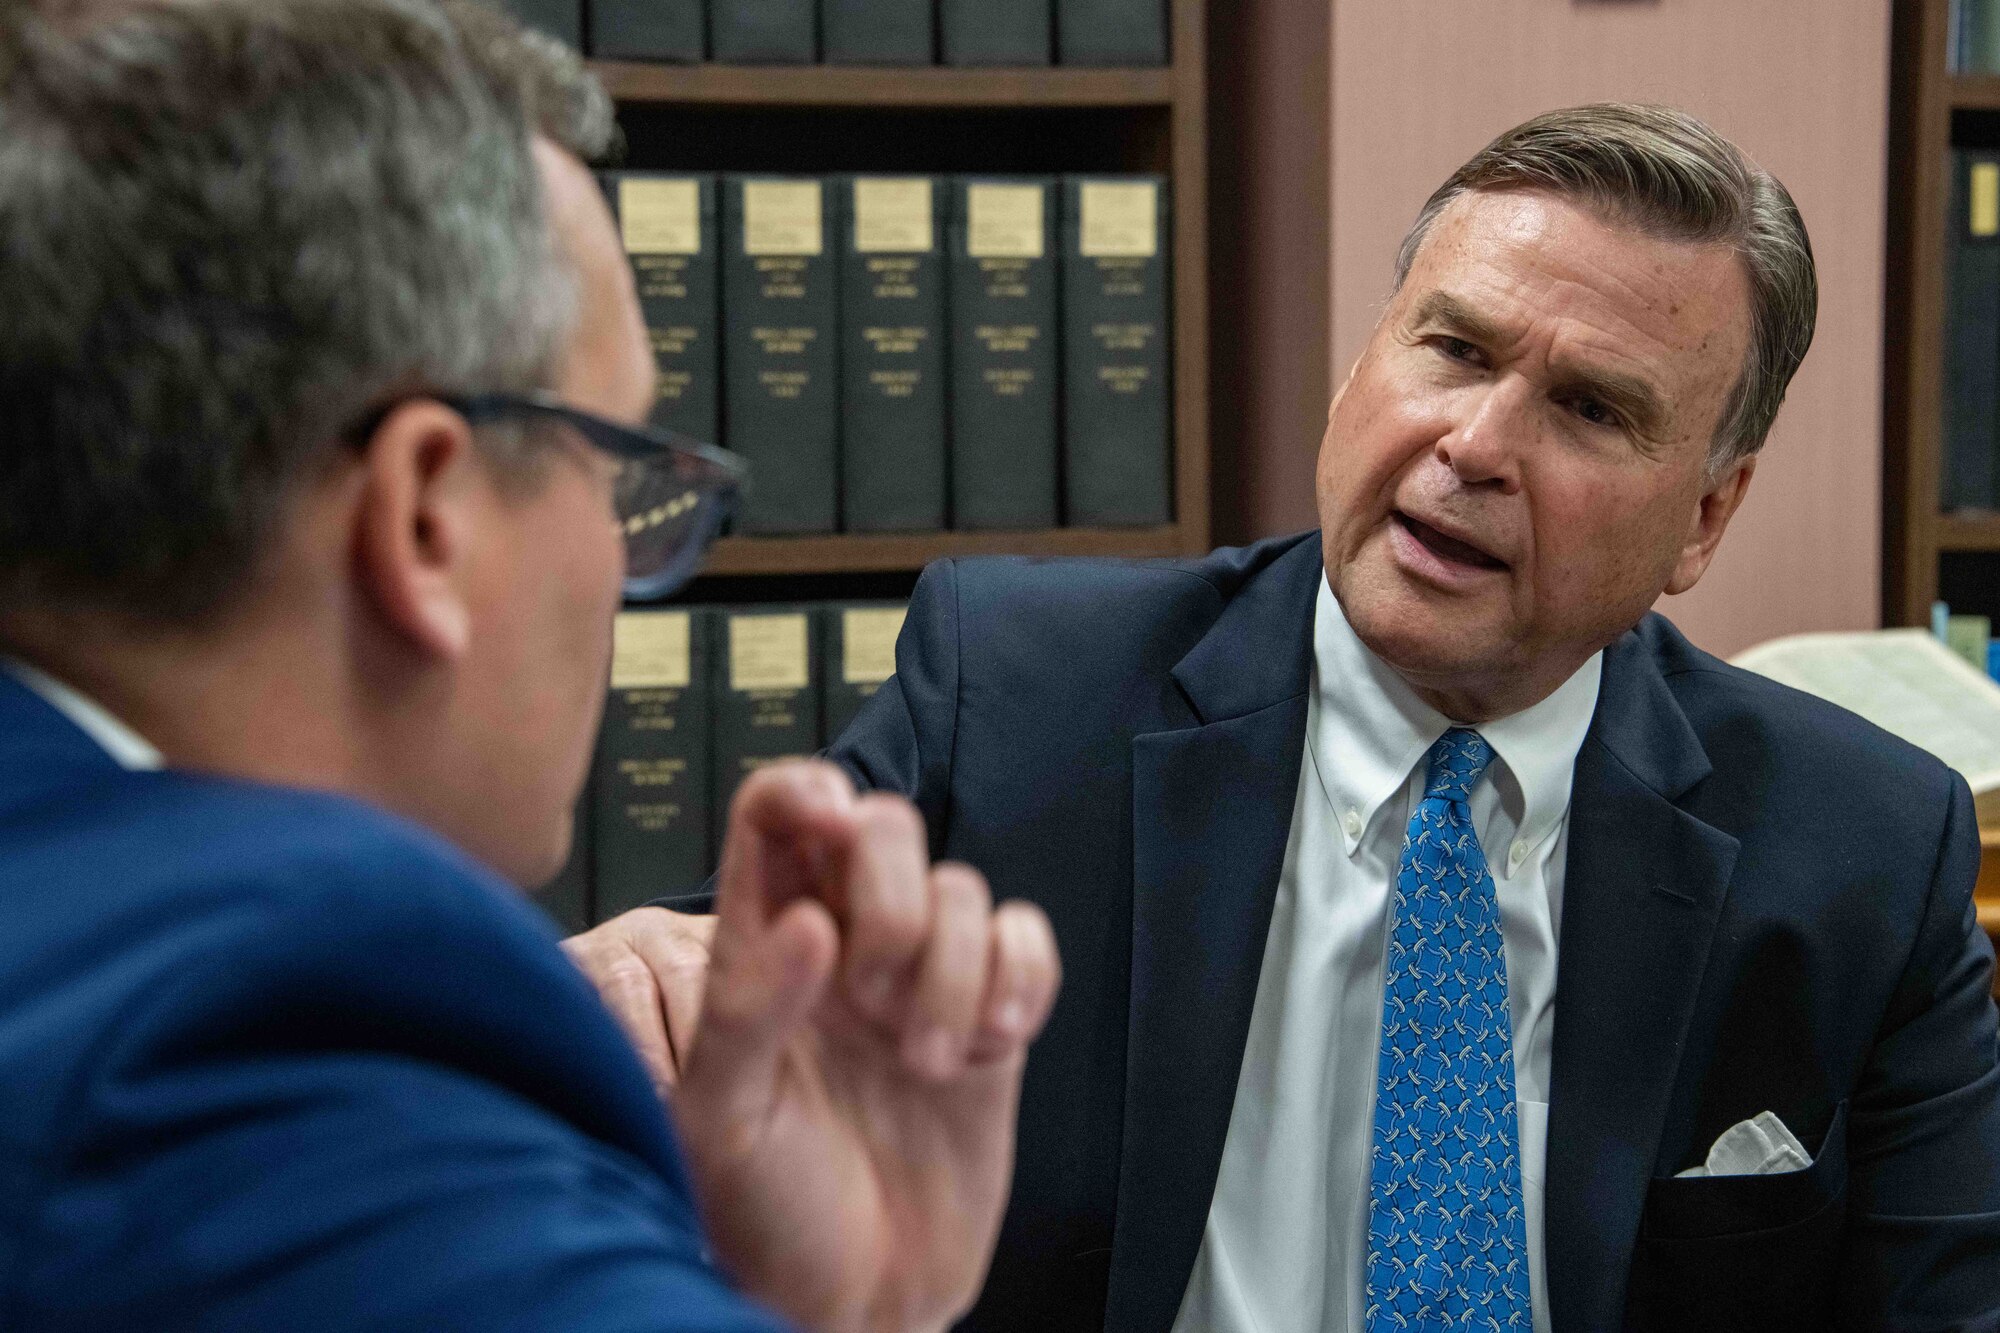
1447,1241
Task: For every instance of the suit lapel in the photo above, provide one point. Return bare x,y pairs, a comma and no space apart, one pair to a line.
1212,811
1643,888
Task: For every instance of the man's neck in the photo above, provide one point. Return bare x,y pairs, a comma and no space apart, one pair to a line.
1473,702
235,703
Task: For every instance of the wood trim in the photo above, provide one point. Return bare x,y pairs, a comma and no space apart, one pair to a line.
921,86
1920,132
856,552
1972,92
1189,39
1270,261
1968,532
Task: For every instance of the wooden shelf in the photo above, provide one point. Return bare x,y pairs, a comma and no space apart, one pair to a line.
860,553
848,86
936,120
1974,92
1968,532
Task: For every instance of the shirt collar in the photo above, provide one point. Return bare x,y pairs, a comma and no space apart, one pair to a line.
1371,730
127,747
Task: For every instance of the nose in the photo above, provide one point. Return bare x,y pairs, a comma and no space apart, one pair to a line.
1483,447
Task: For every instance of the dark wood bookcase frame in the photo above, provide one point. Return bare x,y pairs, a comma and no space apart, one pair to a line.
833,119
1927,552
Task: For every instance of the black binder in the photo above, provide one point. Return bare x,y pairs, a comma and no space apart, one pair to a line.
892,353
877,32
1117,398
560,19
995,32
1111,32
1972,332
764,32
667,223
858,653
780,316
1003,352
647,30
766,693
653,760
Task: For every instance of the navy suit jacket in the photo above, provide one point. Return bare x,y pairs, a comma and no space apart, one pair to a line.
278,1061
1767,906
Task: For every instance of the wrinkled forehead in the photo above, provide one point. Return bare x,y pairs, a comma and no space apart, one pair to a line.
1553,275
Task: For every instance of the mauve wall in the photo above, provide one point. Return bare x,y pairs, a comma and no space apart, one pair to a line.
1416,86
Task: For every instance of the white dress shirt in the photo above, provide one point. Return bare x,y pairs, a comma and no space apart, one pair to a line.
1287,1236
126,746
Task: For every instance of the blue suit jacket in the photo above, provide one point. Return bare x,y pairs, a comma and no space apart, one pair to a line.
1767,906
272,1060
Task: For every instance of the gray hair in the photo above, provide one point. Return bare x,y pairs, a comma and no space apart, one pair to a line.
228,229
1665,173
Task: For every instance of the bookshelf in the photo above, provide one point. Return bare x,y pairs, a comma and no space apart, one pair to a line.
823,119
1928,552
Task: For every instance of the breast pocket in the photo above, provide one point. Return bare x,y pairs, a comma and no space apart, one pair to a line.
1743,1252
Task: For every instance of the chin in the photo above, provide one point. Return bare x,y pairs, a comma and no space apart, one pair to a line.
1415,637
542,863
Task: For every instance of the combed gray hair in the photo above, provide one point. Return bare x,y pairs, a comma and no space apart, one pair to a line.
1663,172
228,228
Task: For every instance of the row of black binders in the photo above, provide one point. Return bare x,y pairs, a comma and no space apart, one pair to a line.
860,32
911,353
1971,416
700,698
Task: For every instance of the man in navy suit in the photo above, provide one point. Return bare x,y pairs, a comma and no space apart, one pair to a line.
320,372
1449,943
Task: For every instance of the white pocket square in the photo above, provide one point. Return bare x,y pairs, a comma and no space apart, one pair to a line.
1758,1147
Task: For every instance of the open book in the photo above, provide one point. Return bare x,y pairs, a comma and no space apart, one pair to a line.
1905,682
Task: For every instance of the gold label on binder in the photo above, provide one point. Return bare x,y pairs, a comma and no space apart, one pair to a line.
781,218
660,217
868,643
650,651
892,215
1121,219
1003,221
1986,199
768,652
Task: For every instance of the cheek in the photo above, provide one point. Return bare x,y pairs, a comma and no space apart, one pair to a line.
1382,424
1597,543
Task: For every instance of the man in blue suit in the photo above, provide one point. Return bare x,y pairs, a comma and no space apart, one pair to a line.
320,372
1449,943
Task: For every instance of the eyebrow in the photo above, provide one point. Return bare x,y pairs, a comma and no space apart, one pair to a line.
1635,399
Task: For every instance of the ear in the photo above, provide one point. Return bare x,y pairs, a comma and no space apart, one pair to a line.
1712,513
414,522
1341,392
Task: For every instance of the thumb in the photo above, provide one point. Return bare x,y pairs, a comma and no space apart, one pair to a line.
762,986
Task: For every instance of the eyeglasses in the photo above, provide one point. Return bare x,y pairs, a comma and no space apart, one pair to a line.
672,493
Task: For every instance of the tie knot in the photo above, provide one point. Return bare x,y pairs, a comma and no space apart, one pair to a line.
1457,760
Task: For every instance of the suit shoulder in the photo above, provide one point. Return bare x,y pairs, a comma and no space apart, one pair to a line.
1738,713
190,917
222,840
1101,595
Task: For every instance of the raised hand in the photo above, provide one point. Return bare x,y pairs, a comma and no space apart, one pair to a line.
849,1098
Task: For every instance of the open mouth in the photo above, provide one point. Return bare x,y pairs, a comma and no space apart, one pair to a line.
1445,547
